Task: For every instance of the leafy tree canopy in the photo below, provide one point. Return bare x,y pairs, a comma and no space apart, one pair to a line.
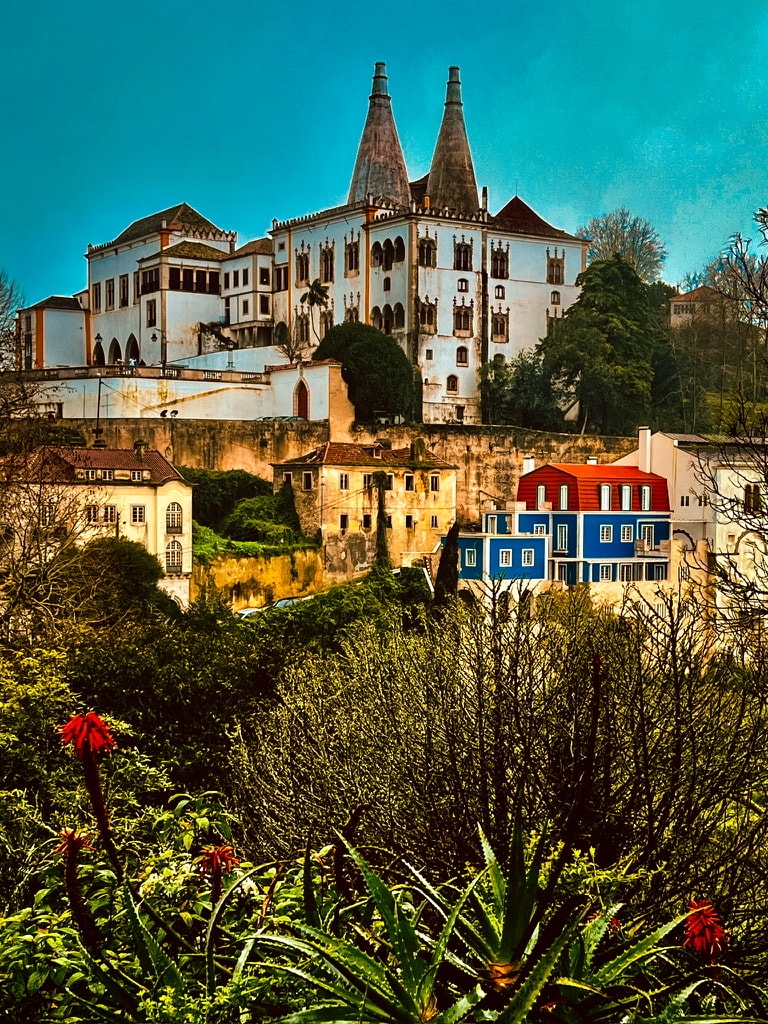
218,491
602,350
375,368
634,238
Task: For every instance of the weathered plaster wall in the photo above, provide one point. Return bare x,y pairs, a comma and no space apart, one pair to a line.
489,458
253,582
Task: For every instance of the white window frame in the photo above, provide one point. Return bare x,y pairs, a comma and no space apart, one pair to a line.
606,533
138,515
625,493
541,495
562,537
343,481
645,498
539,530
470,558
505,557
606,574
627,533
625,572
605,497
109,514
527,556
563,492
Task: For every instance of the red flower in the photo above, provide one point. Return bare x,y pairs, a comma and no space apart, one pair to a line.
217,859
704,933
87,733
73,842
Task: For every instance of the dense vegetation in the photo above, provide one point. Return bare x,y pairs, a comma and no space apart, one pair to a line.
324,749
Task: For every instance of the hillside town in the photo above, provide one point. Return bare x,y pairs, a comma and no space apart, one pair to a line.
382,611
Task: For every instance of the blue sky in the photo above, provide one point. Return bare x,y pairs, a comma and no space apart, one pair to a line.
253,110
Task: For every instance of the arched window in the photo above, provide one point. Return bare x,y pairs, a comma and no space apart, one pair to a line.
427,252
387,284
388,255
554,299
302,268
462,356
428,316
351,315
302,328
301,400
399,255
499,291
462,255
377,254
398,315
173,556
376,318
499,262
462,319
173,518
387,318
352,258
500,326
326,322
326,264
452,384
556,269
462,285
115,352
98,355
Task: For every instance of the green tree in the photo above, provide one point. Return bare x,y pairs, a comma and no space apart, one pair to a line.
379,376
520,392
447,578
619,233
601,352
315,297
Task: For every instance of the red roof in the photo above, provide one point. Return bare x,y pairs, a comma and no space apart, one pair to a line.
584,489
334,453
520,219
59,464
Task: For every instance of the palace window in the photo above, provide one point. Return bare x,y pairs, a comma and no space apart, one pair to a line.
452,384
351,315
326,264
388,255
427,252
500,262
152,313
462,319
428,316
281,279
352,259
462,356
462,255
555,269
264,276
150,280
462,285
554,299
302,328
500,326
123,290
110,299
96,297
499,291
302,268
377,254
399,253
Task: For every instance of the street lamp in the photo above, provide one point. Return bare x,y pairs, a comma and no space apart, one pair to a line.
163,347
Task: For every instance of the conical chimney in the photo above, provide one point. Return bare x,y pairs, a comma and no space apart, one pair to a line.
380,165
452,181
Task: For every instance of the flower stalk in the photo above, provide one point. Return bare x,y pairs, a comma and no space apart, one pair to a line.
70,847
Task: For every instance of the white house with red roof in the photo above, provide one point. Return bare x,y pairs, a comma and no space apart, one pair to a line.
83,493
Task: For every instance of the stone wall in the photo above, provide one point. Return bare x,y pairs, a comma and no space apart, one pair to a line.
252,582
488,459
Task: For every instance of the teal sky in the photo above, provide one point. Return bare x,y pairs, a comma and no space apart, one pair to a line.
253,110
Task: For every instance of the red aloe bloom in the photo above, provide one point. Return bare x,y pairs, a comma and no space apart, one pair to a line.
73,842
88,733
704,933
214,862
218,859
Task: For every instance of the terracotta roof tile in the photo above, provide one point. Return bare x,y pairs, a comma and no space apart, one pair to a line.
58,302
259,246
176,217
195,251
58,464
334,453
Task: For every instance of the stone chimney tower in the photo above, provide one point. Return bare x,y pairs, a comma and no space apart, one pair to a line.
452,175
380,165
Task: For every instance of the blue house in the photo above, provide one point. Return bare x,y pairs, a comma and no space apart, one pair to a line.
501,553
607,524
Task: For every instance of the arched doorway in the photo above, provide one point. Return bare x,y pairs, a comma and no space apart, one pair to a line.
115,352
98,354
301,400
132,349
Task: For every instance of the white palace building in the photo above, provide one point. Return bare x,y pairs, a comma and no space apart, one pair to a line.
183,319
